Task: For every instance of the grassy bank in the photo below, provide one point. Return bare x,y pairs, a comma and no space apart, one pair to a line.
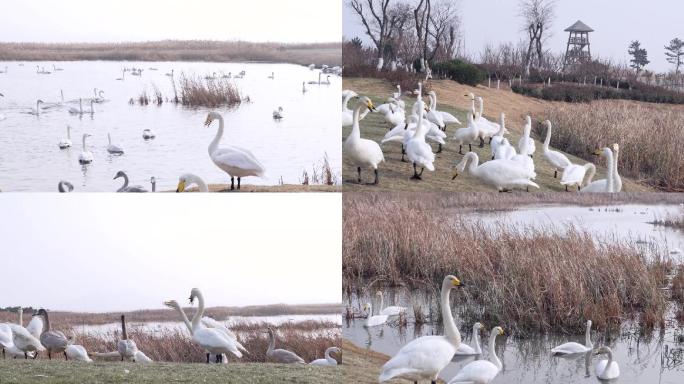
175,50
363,365
60,372
395,175
516,278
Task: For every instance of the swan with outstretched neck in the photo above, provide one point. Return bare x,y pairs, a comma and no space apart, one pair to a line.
606,185
65,143
417,150
53,341
237,162
467,350
425,357
212,340
482,371
113,148
558,160
86,157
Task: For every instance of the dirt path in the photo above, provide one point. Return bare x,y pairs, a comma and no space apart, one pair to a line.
395,175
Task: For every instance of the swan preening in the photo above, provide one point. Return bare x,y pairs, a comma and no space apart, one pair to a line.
235,161
424,357
188,179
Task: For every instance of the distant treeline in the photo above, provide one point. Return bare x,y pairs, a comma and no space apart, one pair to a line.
174,50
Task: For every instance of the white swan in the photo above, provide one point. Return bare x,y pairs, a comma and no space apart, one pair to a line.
86,157
35,326
574,174
423,358
467,135
278,113
235,161
79,111
481,371
212,340
65,186
329,360
558,160
362,152
606,369
2,117
65,143
617,180
525,139
500,174
212,323
487,128
53,341
394,114
148,134
24,342
348,114
466,350
498,138
281,355
505,151
447,117
188,179
36,112
125,187
77,353
572,347
373,320
604,185
417,150
7,342
112,148
391,310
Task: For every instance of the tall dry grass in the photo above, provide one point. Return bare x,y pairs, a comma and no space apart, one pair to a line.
175,50
651,138
195,92
526,280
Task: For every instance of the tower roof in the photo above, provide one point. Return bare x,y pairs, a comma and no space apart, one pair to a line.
579,26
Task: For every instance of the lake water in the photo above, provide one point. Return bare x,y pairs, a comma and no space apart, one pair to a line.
30,159
529,361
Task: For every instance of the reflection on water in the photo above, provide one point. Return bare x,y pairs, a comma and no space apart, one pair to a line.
528,360
30,159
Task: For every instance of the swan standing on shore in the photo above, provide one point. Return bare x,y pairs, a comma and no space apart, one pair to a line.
212,340
189,179
572,347
53,341
24,343
86,157
126,347
424,357
558,160
362,152
328,361
281,355
526,140
417,150
65,143
500,174
466,350
467,135
574,174
235,161
606,369
482,371
77,353
112,148
125,187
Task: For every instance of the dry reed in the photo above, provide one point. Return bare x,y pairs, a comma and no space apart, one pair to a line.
532,279
650,138
196,91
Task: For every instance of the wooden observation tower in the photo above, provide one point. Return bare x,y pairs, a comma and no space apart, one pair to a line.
579,49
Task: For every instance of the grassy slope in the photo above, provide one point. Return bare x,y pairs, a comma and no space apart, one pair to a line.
395,175
60,372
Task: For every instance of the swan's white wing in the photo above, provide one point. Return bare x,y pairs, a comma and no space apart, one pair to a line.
420,359
214,341
35,326
322,362
449,118
239,159
573,174
465,349
5,336
557,159
77,352
287,357
480,371
23,338
393,311
569,348
597,186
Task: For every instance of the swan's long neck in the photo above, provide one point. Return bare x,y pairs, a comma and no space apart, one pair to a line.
184,317
200,311
109,138
46,325
480,102
125,177
124,335
476,340
345,102
492,349
84,144
356,131
587,338
80,105
449,325
328,357
421,130
502,127
472,162
21,316
382,301
271,342
214,143
201,185
610,165
616,175
547,139
472,105
370,314
433,101
68,132
591,168
37,107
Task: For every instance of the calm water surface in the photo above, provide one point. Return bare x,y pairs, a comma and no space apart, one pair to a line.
31,161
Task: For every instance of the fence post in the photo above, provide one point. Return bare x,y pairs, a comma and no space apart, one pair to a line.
498,84
489,82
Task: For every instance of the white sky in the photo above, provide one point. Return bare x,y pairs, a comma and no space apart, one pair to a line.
616,23
141,20
101,252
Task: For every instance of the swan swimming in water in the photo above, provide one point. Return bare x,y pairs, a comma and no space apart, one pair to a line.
112,148
281,355
573,348
424,357
373,320
36,112
148,134
188,179
79,111
86,157
65,143
389,310
235,161
278,113
125,187
466,350
328,360
481,371
606,369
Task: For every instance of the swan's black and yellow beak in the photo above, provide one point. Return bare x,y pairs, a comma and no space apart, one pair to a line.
455,175
501,332
181,186
207,122
597,152
371,106
457,282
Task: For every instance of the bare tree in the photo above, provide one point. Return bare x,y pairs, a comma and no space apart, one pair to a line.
674,52
538,16
378,20
421,18
445,25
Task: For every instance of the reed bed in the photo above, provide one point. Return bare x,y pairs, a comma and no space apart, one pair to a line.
196,92
523,278
175,50
321,173
670,221
650,138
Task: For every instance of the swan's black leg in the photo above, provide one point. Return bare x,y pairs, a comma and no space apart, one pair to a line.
25,356
377,177
358,170
35,355
415,176
403,152
232,183
579,188
566,188
207,358
481,142
490,141
49,355
239,179
3,353
460,149
470,147
439,148
421,171
218,358
555,173
65,356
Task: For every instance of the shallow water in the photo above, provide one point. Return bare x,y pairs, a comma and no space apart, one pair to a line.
604,223
31,161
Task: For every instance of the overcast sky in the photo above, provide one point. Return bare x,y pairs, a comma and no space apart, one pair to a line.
141,20
101,252
616,23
